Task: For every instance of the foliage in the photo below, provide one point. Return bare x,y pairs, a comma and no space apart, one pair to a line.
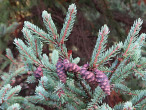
77,92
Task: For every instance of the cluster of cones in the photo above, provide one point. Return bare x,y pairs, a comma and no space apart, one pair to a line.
92,76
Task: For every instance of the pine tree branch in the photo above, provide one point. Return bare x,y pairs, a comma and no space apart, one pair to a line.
67,26
43,96
11,59
27,53
85,89
132,37
138,73
12,94
108,56
99,48
140,100
49,24
37,55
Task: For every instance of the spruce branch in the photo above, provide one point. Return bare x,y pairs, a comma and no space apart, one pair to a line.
139,99
13,91
75,89
8,78
132,36
85,89
100,45
61,66
97,99
10,55
111,52
128,105
69,22
44,82
122,72
26,51
4,90
33,42
39,32
123,89
15,106
104,107
49,25
42,93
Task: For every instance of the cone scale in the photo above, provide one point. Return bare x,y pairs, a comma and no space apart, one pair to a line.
102,80
61,71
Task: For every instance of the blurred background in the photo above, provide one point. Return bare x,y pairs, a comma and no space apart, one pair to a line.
119,15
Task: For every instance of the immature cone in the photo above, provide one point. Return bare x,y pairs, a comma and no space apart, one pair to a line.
87,75
61,71
38,73
103,81
71,67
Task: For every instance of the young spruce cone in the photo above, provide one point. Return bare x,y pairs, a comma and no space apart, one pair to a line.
38,73
71,67
61,71
103,81
87,75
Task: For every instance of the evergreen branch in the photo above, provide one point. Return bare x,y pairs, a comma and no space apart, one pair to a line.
49,25
85,89
139,99
123,89
103,33
132,35
68,25
33,42
10,58
47,64
10,55
19,71
112,68
36,48
108,54
97,99
140,41
72,88
13,91
104,107
44,82
122,71
25,50
128,105
100,44
4,90
42,93
35,30
15,106
119,106
138,73
28,36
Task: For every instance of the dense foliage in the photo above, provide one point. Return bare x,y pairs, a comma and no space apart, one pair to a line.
61,82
